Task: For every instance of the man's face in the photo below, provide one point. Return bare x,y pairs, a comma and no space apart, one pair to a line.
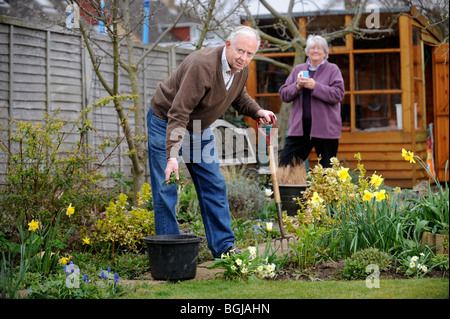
240,52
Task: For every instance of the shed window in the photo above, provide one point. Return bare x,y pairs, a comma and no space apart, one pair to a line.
377,71
378,112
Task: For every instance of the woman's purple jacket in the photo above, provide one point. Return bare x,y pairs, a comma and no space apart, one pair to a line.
326,100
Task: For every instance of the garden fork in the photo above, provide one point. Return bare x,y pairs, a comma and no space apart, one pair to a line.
284,239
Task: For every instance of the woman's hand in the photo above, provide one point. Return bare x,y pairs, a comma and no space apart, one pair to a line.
305,82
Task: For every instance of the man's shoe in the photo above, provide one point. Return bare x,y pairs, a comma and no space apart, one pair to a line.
232,250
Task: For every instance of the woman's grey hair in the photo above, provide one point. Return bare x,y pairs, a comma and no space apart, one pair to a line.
314,40
244,30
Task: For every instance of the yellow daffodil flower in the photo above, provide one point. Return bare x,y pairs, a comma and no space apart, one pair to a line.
367,196
376,180
408,156
86,240
64,261
316,198
343,174
70,210
380,195
397,190
33,225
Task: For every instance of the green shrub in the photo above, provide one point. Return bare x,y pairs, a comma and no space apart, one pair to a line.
45,172
245,197
440,261
355,266
125,226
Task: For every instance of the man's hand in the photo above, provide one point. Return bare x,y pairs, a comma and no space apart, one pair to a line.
172,166
264,117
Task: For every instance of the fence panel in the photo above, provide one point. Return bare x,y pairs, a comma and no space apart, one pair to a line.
47,70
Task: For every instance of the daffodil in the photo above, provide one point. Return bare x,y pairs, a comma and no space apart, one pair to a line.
70,210
343,174
367,196
64,260
86,240
380,195
33,225
408,155
316,198
376,180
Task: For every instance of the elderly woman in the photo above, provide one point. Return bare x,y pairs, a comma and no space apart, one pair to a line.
316,89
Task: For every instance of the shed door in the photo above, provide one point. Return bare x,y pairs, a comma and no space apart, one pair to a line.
441,111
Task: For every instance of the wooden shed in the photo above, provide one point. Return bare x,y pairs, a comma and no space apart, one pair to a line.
396,88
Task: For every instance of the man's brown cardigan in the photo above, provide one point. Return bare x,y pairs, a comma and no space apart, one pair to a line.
196,91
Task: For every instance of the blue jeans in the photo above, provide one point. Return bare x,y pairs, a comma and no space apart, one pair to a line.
201,159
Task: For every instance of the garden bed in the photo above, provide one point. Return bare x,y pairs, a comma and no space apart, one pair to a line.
331,270
324,271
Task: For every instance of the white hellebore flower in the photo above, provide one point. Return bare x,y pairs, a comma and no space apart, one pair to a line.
268,192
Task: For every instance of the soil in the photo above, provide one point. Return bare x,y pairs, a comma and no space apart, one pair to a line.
332,270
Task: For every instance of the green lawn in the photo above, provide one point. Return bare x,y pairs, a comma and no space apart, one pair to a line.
428,288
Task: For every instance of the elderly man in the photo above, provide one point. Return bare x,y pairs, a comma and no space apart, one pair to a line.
182,110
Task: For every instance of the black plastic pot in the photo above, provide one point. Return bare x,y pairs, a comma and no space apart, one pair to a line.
173,257
287,192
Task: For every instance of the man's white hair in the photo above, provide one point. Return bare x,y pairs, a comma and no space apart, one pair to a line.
246,31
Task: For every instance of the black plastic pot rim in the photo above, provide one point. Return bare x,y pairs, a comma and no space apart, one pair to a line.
294,185
172,239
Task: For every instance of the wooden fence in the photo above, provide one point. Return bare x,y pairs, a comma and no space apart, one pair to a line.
43,69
